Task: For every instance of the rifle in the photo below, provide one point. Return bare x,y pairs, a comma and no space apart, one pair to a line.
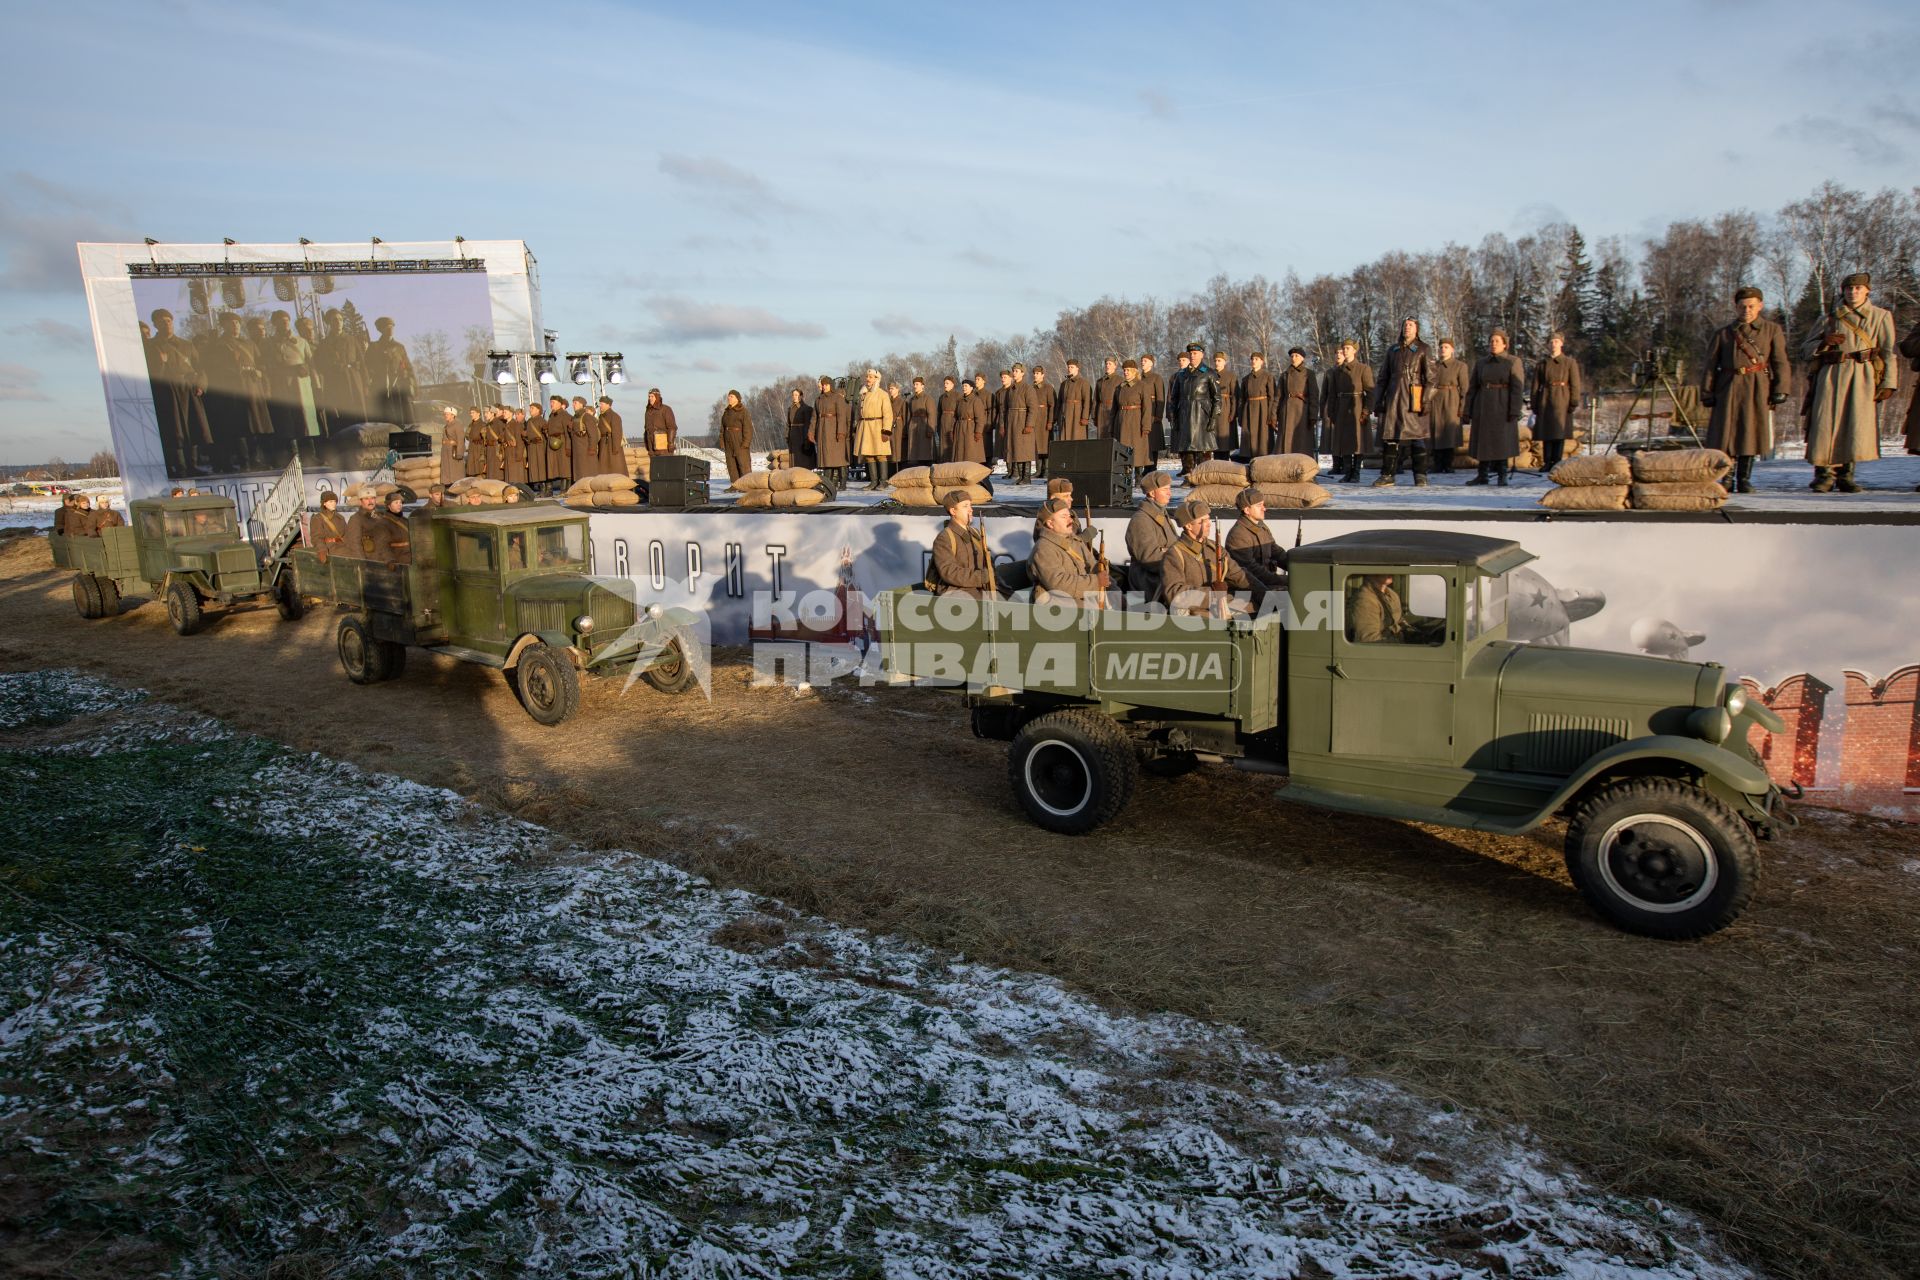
1100,550
979,532
1217,575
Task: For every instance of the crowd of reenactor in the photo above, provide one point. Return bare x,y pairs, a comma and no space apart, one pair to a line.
77,517
545,452
1423,406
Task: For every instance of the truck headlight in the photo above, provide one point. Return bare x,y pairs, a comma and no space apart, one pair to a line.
583,624
1736,700
1712,724
653,611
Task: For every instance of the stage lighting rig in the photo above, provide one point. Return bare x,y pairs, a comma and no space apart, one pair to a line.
543,368
615,366
579,368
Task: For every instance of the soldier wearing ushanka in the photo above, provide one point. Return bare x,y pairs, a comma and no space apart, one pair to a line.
1854,370
1399,400
1746,375
1349,394
1557,388
1446,402
1255,404
1297,417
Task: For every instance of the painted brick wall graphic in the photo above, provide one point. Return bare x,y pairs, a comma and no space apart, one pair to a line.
1878,760
1794,755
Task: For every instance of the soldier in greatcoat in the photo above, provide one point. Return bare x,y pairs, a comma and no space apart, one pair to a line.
800,430
873,424
1446,402
452,444
997,422
1128,423
946,421
1196,409
830,434
1252,545
560,429
1297,418
1225,417
1557,388
1063,568
173,366
969,426
658,429
326,531
897,442
613,440
1746,374
584,434
1256,404
1854,370
1195,574
962,564
513,447
1399,400
1040,416
1104,391
1156,389
920,432
1073,407
1496,397
736,436
533,439
1016,422
365,540
1349,396
473,447
1150,533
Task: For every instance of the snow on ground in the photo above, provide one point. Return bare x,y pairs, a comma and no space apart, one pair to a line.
622,1070
36,511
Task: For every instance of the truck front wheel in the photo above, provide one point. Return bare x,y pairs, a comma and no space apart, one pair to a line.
547,684
672,671
183,609
287,597
1072,770
1662,857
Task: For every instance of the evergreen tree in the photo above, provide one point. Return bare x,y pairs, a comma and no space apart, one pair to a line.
1578,301
353,321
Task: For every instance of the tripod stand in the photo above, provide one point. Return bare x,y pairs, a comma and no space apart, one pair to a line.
1652,381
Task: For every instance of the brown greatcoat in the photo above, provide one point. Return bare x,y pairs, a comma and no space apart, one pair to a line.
1405,368
613,443
1104,389
946,416
736,440
560,429
1063,567
1040,416
1251,544
1746,367
1910,348
1156,387
452,450
1556,395
1128,424
366,540
1226,414
1296,428
473,449
897,442
396,538
1496,395
996,408
1447,400
1016,422
513,450
584,434
1075,408
483,451
1188,572
799,429
1151,533
915,442
969,442
1844,423
657,424
533,434
327,534
1349,389
1255,404
962,565
831,434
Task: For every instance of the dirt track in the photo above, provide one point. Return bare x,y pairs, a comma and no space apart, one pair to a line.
1763,1078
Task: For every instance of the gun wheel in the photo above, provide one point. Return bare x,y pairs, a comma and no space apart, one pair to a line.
1072,771
183,609
546,684
1662,857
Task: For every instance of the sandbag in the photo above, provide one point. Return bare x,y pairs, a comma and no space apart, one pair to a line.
920,477
956,475
752,482
1217,496
798,497
485,484
1215,471
1675,466
591,499
791,478
1293,497
1604,469
608,480
1679,495
1585,497
916,497
779,459
1284,468
755,498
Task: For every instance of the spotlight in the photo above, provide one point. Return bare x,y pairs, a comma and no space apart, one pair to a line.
283,288
614,363
543,369
150,240
377,240
233,291
579,368
323,283
501,364
228,240
304,240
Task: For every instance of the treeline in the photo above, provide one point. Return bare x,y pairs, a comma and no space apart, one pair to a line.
1620,303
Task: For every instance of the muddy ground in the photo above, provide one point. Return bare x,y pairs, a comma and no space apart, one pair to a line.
1763,1077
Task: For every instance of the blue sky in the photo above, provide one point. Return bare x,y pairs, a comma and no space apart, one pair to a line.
726,192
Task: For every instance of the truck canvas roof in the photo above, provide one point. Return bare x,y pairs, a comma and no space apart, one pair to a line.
517,514
1415,546
204,502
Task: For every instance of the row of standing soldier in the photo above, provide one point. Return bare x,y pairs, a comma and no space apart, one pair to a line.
551,450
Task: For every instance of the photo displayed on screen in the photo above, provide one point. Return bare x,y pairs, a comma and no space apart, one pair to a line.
248,370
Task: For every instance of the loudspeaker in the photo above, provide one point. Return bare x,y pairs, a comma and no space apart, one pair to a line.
679,466
410,443
676,495
1101,470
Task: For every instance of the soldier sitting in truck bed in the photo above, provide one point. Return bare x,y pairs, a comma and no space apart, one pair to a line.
1251,545
1062,567
363,530
326,531
396,543
1375,615
1196,575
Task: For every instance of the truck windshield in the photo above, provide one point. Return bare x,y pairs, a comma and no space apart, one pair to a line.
200,524
560,546
1489,606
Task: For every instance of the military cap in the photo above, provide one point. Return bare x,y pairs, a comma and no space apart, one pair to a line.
1194,346
919,381
1054,506
1059,484
1193,509
1297,351
398,495
1133,365
1748,291
1019,368
1221,355
1073,364
1155,480
954,497
559,400
1861,278
436,487
1248,497
1445,342
1258,355
1350,342
1501,334
326,496
606,399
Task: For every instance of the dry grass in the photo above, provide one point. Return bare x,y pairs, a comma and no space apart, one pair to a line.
1763,1077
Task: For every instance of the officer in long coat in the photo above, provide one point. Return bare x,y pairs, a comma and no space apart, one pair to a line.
969,426
1196,409
1349,395
1400,401
800,430
1297,406
1557,388
1104,391
1016,426
473,447
1073,407
1226,417
1040,417
736,436
560,428
830,433
533,434
452,444
1128,425
922,433
513,447
613,439
897,442
1255,404
1446,403
1496,397
584,433
873,428
1745,376
1848,384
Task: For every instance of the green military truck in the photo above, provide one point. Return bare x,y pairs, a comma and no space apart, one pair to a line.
1445,721
188,551
504,586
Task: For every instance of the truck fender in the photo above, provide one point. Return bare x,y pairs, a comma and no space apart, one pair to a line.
1734,773
552,639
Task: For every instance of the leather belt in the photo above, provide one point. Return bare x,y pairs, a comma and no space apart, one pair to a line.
1751,368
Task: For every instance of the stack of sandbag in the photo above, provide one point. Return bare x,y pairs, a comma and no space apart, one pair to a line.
1286,481
639,462
787,487
489,489
925,486
1217,483
614,489
355,492
780,460
1595,482
417,474
1678,480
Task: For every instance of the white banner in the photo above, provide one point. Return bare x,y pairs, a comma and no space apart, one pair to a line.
279,514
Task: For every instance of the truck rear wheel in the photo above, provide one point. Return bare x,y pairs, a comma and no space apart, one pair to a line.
1662,857
86,595
361,656
1073,771
547,684
671,671
183,608
109,597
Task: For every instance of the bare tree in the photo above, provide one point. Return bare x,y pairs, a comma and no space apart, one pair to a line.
103,464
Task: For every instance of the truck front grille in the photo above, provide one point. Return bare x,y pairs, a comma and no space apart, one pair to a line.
544,615
1557,743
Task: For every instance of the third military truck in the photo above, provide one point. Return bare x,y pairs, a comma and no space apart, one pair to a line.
187,551
505,586
1443,720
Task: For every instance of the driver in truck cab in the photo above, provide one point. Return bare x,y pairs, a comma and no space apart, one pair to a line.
1376,615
